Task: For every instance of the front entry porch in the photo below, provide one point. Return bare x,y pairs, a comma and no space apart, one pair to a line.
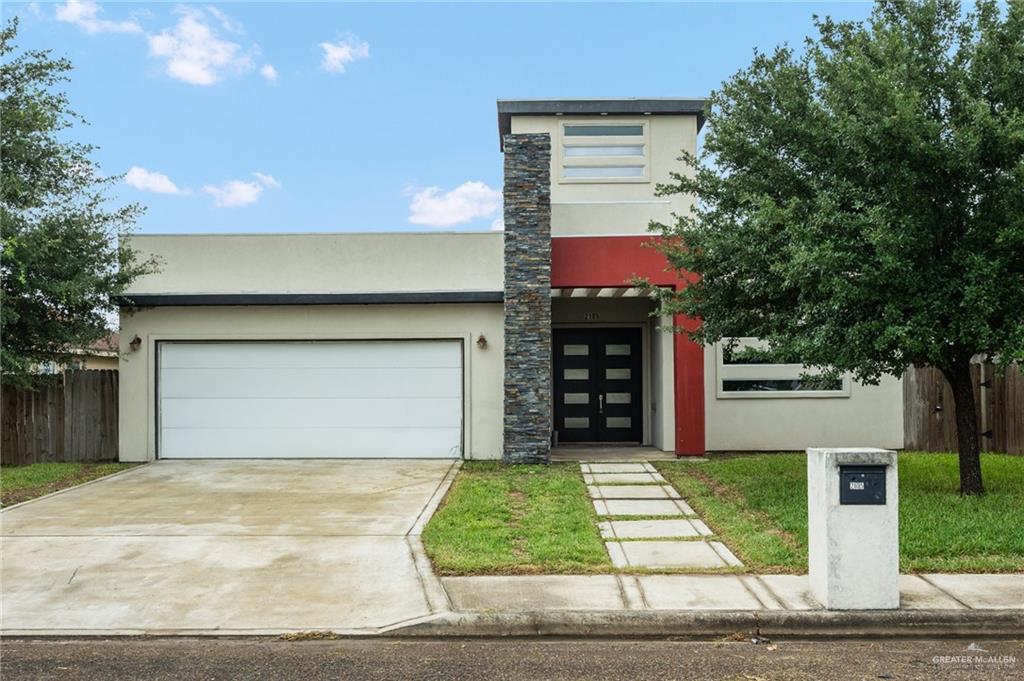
612,373
609,453
591,285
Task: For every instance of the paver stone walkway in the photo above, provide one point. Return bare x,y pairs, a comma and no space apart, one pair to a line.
646,523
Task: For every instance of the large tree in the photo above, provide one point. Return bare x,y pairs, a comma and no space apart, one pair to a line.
860,201
63,258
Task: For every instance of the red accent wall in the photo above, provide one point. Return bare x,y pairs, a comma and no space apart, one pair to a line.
612,261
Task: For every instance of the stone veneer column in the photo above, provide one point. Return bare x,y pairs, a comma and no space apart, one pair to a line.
527,433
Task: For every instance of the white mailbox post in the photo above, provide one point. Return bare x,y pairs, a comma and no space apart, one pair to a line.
853,528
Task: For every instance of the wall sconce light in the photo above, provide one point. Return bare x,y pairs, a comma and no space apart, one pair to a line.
481,341
135,344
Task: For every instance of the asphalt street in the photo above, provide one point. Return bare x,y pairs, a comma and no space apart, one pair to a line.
210,659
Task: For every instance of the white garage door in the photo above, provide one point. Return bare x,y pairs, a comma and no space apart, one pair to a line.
359,399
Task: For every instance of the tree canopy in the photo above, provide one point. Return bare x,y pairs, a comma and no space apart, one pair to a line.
63,258
860,201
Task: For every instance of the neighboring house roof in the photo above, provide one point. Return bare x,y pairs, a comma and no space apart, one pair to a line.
660,106
104,347
98,353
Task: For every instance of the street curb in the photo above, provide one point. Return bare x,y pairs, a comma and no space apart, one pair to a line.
683,624
709,624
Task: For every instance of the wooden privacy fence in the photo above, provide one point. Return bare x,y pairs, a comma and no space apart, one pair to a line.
929,415
72,419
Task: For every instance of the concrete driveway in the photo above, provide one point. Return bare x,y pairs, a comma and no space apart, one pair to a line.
230,546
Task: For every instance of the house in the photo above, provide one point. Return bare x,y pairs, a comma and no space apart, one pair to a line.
468,344
101,354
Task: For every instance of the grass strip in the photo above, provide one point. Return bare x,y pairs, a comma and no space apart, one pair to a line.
499,519
22,483
757,504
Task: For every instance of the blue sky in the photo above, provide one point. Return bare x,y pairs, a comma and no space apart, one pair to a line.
253,117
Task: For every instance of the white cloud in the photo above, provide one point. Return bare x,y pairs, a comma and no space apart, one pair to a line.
469,201
342,53
268,181
269,73
241,192
152,181
234,193
85,15
195,53
498,224
226,22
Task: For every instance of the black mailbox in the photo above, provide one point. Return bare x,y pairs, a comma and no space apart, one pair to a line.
862,485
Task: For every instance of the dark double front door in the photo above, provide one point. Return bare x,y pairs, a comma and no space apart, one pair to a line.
598,385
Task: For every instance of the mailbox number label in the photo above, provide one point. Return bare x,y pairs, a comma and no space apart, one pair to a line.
862,485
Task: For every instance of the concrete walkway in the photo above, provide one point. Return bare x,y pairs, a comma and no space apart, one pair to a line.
668,533
715,592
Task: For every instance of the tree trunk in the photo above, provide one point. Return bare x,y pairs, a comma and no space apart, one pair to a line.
959,378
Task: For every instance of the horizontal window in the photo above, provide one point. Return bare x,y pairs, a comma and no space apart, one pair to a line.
781,384
604,130
752,355
748,367
603,171
624,150
594,152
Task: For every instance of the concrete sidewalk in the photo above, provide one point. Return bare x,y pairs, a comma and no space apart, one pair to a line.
702,606
654,592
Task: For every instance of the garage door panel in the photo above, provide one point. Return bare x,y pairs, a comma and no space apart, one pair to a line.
312,443
310,399
306,413
371,382
313,354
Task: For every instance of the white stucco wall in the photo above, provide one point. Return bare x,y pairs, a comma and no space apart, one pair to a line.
322,263
607,208
663,392
870,416
483,369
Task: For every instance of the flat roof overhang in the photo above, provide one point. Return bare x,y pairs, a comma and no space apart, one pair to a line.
391,298
385,298
660,106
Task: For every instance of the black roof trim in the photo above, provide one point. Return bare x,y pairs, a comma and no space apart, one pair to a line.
221,299
660,106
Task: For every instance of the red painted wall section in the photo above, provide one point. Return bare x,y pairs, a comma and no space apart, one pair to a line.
613,261
689,375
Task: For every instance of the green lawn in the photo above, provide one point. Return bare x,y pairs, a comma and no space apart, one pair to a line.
516,520
21,483
758,505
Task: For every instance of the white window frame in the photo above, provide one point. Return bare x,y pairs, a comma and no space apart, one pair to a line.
562,161
755,372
